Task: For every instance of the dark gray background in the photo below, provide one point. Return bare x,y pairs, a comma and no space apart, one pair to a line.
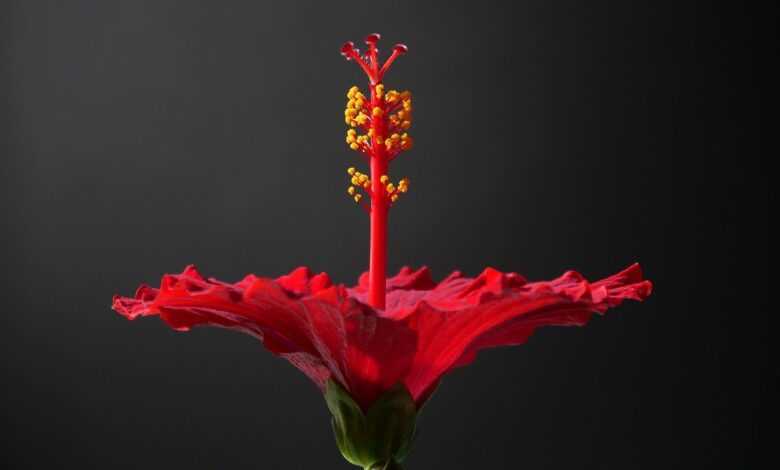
140,136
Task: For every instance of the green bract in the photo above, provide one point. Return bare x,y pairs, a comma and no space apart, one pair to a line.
378,439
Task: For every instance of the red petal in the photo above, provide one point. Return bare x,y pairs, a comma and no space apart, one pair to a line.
288,314
380,352
406,279
462,316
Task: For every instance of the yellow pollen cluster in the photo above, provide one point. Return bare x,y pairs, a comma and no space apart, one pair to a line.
356,104
402,119
399,142
394,191
384,118
355,141
357,180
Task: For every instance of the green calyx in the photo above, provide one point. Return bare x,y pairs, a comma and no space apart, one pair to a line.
379,439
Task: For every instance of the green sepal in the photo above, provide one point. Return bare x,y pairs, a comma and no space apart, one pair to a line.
349,423
378,439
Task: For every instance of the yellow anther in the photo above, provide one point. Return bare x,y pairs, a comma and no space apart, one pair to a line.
361,119
362,178
367,184
384,179
351,190
394,197
406,95
354,146
359,103
351,170
377,111
406,125
350,139
395,137
404,182
351,92
357,197
400,114
371,132
355,181
390,188
407,143
407,106
380,90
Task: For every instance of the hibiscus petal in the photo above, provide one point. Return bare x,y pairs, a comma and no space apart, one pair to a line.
380,352
406,279
497,309
288,315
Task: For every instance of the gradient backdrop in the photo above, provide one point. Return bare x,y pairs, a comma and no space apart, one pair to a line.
140,136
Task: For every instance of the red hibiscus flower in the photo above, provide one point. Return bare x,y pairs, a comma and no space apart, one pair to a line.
428,328
330,333
379,349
